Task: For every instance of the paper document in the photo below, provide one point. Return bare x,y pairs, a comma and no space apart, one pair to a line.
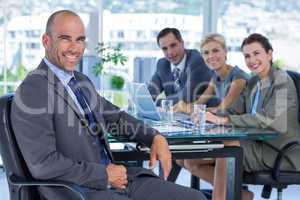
168,128
196,146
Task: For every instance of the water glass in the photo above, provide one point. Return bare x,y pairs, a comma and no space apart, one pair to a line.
132,108
199,116
167,108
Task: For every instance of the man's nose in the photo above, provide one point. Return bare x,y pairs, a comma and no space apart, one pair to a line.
170,52
252,59
73,46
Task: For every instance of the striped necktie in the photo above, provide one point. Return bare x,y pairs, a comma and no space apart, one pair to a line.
176,75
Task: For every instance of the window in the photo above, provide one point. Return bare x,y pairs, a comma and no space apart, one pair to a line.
154,34
120,34
133,23
21,26
144,19
33,33
32,45
141,34
12,34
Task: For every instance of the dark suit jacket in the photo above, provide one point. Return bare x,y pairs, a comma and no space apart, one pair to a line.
54,141
277,109
194,78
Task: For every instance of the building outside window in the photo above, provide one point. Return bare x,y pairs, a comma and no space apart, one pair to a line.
278,20
135,24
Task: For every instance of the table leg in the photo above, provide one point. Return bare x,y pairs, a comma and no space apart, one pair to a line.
235,171
174,172
195,182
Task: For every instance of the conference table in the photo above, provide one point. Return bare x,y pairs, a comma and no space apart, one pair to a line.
188,142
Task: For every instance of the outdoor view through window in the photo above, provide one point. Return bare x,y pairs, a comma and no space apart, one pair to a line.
134,25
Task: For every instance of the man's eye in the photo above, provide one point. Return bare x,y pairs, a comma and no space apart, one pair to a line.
173,45
64,39
81,40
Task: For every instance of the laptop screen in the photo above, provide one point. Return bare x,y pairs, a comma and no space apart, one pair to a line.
143,101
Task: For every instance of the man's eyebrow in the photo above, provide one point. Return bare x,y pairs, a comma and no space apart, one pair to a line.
63,36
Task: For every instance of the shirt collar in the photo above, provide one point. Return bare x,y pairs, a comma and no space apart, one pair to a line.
180,65
62,75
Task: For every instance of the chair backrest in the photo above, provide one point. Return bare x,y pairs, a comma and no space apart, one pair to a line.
13,160
296,78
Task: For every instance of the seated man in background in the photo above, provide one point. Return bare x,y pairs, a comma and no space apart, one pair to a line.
61,125
182,74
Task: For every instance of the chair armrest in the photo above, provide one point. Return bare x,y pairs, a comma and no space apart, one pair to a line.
280,155
18,181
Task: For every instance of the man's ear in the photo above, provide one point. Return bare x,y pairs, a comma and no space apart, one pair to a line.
45,40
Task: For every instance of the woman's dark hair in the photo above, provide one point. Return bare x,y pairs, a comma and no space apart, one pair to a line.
259,38
256,37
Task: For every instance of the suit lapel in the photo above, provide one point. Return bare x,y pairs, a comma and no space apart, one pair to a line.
169,83
93,102
99,118
252,94
59,88
183,73
267,93
268,88
61,91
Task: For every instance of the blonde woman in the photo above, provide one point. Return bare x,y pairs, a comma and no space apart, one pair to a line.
227,82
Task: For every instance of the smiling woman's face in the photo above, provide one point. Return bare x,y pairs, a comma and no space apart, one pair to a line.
256,58
214,55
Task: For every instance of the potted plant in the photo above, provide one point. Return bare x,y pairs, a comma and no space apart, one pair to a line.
111,57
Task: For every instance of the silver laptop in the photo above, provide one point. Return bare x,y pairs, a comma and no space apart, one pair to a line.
145,105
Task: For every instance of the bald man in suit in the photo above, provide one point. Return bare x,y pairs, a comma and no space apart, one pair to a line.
61,126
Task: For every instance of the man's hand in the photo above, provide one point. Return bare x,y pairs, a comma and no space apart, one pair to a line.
160,150
181,106
117,176
213,110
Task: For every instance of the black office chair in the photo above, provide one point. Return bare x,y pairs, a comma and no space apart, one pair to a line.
277,178
21,184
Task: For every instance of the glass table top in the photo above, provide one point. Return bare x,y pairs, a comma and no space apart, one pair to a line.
177,131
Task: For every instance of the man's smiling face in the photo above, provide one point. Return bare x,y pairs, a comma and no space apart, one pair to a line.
65,43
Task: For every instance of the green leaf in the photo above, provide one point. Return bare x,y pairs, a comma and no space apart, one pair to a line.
110,56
